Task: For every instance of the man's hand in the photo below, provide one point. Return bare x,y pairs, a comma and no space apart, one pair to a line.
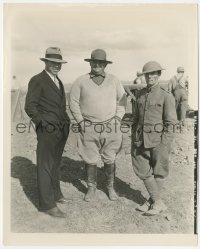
83,125
132,96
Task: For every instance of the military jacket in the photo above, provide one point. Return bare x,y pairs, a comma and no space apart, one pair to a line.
154,117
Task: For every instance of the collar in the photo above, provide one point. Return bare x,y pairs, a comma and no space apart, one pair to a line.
50,75
152,88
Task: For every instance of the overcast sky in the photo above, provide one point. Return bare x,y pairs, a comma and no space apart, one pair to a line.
131,35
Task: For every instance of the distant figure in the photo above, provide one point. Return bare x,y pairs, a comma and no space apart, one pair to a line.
46,106
131,91
178,86
15,83
139,79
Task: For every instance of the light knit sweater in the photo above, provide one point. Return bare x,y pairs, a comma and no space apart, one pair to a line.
97,103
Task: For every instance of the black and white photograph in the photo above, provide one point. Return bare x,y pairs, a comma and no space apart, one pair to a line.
100,123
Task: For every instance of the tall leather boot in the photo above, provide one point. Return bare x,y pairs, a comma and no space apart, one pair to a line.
91,171
158,206
109,170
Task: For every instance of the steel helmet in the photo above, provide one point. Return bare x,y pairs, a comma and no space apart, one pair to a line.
138,73
180,70
151,66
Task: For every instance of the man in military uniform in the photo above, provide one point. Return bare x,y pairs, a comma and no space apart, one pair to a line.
154,118
178,86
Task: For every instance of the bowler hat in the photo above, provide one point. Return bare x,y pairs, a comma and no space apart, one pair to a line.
98,55
180,70
53,54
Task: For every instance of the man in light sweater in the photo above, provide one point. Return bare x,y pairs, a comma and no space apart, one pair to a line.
97,102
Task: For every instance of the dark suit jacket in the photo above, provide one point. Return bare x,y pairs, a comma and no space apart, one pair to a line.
44,101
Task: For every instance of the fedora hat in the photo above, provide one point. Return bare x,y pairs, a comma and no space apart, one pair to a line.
98,55
53,54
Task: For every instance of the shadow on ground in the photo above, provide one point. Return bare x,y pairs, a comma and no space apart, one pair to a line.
24,170
74,172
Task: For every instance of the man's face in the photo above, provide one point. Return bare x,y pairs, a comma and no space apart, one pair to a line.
152,78
97,67
180,74
53,67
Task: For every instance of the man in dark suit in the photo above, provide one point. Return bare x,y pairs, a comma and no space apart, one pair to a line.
46,106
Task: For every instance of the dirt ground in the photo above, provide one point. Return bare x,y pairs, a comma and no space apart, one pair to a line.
102,215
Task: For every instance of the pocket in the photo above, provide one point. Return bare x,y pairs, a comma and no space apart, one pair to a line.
157,137
155,104
66,130
121,144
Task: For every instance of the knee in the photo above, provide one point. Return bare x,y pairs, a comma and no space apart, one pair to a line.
161,174
144,177
160,177
162,170
140,171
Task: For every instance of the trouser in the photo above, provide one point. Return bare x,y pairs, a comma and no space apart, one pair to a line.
151,162
181,100
151,166
181,110
94,145
50,147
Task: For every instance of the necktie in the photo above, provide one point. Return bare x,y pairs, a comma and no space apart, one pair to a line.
56,82
98,79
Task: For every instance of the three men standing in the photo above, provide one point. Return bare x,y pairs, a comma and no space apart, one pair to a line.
46,106
154,119
97,102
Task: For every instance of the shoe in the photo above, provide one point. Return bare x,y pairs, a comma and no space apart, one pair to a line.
144,207
62,200
90,195
112,194
55,212
156,208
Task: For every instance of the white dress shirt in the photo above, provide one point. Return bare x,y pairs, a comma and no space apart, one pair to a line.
55,80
